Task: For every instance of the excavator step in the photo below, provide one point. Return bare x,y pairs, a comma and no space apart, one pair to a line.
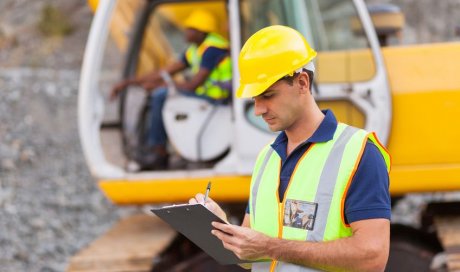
130,245
448,227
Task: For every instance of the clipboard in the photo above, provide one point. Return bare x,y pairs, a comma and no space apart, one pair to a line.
194,222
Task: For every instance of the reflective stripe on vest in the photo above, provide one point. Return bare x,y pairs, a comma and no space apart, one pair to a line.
322,176
218,84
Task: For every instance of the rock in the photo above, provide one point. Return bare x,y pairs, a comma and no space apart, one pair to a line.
5,195
11,209
8,165
50,90
28,120
37,223
16,145
14,96
27,155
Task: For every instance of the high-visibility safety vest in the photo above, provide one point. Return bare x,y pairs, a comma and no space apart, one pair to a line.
321,179
218,83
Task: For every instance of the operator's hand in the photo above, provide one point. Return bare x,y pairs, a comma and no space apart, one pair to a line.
210,204
120,86
246,243
152,83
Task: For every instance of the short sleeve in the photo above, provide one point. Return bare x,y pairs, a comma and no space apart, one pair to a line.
212,56
368,196
183,59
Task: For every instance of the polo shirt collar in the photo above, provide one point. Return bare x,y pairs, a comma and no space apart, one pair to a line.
325,132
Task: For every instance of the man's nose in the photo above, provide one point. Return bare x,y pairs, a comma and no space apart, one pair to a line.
259,107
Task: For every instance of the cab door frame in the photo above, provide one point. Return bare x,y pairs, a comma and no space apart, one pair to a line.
372,97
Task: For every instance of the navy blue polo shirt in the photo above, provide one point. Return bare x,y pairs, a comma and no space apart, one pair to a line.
368,196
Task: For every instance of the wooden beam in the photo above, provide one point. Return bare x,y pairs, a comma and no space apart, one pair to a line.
130,245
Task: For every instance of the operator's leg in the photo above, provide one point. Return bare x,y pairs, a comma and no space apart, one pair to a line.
157,158
157,135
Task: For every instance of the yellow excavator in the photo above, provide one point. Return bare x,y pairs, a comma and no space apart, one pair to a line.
408,95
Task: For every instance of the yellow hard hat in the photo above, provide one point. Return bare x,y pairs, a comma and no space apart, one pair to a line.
201,20
268,55
93,4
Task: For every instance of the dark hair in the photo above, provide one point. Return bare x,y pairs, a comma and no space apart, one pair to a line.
290,79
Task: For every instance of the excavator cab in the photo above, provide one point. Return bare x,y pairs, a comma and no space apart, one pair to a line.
206,123
218,142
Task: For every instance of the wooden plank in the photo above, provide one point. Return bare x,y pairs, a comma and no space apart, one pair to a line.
130,245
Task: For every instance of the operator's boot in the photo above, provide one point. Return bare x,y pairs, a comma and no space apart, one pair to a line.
157,159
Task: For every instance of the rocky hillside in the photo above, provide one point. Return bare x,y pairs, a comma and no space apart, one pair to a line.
428,21
43,33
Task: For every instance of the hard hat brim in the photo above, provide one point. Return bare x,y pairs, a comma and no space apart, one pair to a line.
253,89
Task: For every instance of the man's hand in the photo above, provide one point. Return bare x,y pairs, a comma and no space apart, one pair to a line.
149,85
210,204
147,82
246,243
120,86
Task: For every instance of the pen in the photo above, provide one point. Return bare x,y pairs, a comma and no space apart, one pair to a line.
207,192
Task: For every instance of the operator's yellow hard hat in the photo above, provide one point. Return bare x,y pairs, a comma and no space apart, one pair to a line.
93,4
270,54
201,20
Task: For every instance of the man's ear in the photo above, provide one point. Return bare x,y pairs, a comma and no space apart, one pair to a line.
304,82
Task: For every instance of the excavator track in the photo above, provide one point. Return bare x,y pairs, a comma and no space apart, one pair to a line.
448,232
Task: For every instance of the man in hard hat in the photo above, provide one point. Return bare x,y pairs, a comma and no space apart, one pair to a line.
338,173
209,60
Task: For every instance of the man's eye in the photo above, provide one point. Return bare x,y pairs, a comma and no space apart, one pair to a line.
268,95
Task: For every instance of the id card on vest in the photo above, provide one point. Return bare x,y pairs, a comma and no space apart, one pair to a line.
300,214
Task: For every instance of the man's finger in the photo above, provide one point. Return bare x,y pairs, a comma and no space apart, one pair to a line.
199,197
233,230
224,237
227,228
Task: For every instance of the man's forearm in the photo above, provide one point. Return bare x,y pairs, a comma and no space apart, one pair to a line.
340,255
366,250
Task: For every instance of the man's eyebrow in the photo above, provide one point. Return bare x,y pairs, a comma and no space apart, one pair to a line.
268,91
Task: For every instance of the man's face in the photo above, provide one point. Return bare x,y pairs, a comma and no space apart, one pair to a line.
280,105
192,35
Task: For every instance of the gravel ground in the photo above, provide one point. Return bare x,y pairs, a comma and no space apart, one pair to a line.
49,204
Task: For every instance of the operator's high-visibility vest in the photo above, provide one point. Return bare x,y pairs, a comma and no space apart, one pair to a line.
218,83
320,181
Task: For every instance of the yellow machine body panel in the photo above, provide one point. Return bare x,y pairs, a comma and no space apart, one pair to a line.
224,189
424,141
345,66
